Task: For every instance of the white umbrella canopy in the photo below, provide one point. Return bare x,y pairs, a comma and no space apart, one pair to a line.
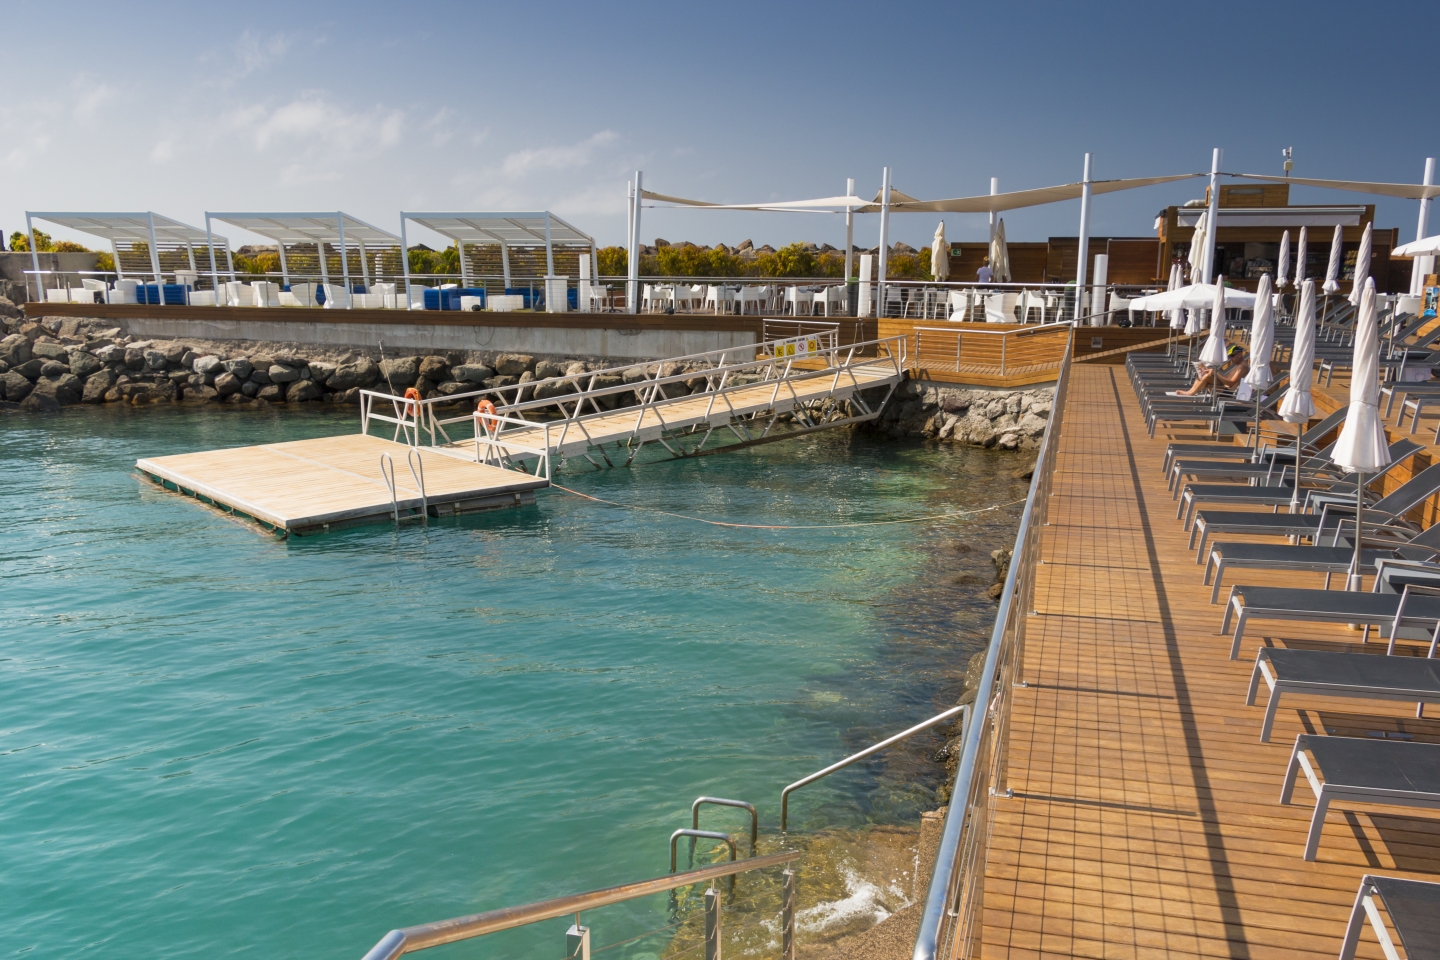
1362,445
1214,352
1298,405
1197,248
1282,269
1332,272
1418,248
1262,337
1199,295
999,255
1362,266
940,255
1300,257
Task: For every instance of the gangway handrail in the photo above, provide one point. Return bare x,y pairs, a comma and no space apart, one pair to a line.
963,709
722,802
405,940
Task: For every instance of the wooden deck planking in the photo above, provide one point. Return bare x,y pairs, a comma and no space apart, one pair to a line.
1146,819
301,484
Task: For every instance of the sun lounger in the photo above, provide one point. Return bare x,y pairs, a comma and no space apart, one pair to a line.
1414,909
1308,440
1282,493
1388,511
1269,469
1407,602
1362,770
1321,673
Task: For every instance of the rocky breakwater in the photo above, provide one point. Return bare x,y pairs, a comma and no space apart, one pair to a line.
1007,419
46,367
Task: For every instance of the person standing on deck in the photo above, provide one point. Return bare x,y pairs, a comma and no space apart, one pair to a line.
984,274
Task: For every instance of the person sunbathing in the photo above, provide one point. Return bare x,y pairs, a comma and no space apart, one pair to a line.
1239,365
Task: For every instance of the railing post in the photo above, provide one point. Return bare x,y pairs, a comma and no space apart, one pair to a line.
1004,339
712,924
577,941
787,917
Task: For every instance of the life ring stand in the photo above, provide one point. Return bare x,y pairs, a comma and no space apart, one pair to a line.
412,403
487,415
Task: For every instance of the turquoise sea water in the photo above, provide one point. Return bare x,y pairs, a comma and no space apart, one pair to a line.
216,743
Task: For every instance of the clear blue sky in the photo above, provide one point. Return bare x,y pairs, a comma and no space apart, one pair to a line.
372,108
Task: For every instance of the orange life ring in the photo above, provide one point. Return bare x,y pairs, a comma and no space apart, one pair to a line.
486,414
412,409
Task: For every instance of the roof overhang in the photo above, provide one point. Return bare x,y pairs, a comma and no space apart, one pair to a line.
1276,216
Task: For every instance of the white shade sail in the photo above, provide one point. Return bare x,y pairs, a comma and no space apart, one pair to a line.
1298,405
1214,352
1262,337
1405,191
129,227
1362,443
901,203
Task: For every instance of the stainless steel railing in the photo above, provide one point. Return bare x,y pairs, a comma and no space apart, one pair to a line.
397,943
963,710
949,925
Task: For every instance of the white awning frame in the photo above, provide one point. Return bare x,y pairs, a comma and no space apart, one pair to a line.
539,228
334,227
155,230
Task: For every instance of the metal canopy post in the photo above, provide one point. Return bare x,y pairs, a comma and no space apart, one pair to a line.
344,260
632,287
155,262
549,251
35,259
324,268
405,259
849,228
505,264
284,266
1212,226
994,189
884,240
1084,238
1417,271
214,270
115,252
364,267
464,270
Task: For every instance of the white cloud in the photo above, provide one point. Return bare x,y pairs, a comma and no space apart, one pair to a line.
162,151
570,157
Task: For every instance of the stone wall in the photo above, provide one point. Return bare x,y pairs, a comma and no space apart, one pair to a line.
979,416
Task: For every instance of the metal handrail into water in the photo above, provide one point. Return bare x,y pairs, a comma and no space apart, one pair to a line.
396,943
952,911
963,710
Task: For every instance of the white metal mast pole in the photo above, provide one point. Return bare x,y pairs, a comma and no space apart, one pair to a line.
884,240
994,189
632,288
155,263
1084,238
1420,264
35,260
214,272
1212,225
849,228
344,260
404,258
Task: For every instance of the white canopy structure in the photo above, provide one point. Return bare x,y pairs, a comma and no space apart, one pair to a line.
145,234
337,229
1404,191
535,229
1428,247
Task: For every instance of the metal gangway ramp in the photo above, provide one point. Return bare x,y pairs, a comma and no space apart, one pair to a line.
780,387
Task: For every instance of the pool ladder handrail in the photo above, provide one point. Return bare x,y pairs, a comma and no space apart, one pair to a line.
722,802
963,710
388,475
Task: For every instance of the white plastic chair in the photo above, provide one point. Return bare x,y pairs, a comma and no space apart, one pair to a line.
238,294
831,294
719,298
892,295
1000,307
1031,301
304,294
124,291
794,296
654,297
265,293
958,303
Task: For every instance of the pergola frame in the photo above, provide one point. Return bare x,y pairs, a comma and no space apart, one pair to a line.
335,227
148,227
525,229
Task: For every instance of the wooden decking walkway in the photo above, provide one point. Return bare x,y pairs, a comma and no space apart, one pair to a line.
1145,820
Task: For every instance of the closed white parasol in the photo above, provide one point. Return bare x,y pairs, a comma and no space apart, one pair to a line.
1282,269
1214,352
1332,272
1298,406
1197,249
1362,266
1300,257
999,255
1262,338
1361,446
940,254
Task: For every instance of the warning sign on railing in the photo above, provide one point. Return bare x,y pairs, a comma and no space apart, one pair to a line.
794,347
